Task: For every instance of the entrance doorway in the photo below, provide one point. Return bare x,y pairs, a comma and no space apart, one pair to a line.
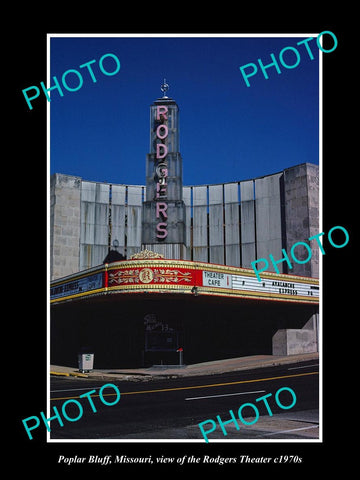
161,341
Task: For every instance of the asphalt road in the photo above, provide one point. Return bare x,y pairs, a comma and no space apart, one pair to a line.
169,408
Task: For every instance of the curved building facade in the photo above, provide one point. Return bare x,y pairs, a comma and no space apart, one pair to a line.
231,223
202,240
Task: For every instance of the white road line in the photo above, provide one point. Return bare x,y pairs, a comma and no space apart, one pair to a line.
287,431
224,395
304,366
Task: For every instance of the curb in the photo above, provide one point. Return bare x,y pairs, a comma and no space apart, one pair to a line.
69,374
170,374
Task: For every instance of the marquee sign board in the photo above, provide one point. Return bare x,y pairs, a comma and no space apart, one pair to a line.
279,287
216,279
182,276
77,286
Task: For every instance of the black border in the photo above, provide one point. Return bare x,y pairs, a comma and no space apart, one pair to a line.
28,374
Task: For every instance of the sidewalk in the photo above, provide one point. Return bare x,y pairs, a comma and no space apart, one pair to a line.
173,371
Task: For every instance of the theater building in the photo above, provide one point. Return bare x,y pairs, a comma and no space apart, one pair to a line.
138,271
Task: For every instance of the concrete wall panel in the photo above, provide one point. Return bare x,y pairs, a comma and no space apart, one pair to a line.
248,240
232,224
216,224
94,233
200,233
268,219
65,222
187,192
134,217
118,216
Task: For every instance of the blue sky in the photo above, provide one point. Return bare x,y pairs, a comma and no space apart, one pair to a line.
228,131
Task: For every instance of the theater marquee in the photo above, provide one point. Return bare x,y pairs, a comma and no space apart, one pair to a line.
151,276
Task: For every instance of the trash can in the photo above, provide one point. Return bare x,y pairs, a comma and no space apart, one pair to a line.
85,362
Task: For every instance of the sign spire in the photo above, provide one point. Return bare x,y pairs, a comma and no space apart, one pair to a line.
164,88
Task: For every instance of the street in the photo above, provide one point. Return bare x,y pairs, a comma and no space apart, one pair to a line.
173,408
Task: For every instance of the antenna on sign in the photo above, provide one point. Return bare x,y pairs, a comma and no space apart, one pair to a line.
164,88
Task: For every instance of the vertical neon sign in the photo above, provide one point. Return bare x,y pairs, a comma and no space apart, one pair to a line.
161,171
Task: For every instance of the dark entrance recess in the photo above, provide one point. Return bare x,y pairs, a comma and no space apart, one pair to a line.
130,331
162,339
